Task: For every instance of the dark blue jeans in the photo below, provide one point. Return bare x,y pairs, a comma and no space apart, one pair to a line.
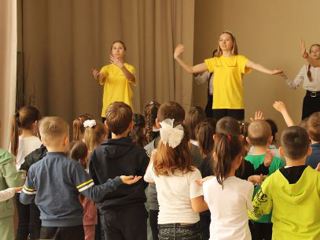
178,231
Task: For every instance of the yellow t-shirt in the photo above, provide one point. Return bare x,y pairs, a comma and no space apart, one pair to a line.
228,81
117,87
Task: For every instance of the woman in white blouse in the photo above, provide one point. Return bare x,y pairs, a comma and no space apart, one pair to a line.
309,77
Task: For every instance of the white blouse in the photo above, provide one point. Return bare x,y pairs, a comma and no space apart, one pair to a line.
302,78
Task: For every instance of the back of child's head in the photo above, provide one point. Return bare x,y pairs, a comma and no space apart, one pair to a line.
137,132
274,129
24,119
228,125
150,116
77,126
53,130
79,152
171,110
204,135
226,148
259,133
295,142
313,126
193,117
173,151
94,134
118,117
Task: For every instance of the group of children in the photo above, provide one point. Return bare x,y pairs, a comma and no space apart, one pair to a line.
202,179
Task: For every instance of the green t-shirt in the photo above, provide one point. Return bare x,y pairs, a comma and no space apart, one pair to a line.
256,161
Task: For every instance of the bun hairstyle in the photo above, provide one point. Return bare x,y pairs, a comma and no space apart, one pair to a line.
24,118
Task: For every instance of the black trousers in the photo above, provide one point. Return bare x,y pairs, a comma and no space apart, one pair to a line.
237,114
209,110
260,231
153,219
62,233
311,104
125,223
205,220
29,222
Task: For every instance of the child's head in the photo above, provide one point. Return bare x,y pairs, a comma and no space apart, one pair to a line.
313,126
204,135
77,126
118,49
24,119
79,152
150,116
274,129
259,133
171,110
227,42
227,155
119,118
168,157
228,125
54,132
193,117
95,133
137,133
294,143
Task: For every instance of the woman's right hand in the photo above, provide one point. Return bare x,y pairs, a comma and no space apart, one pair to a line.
178,50
95,73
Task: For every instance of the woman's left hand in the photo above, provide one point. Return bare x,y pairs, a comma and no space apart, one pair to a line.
279,72
116,61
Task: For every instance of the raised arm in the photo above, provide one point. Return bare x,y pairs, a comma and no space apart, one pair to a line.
188,68
130,76
281,107
260,68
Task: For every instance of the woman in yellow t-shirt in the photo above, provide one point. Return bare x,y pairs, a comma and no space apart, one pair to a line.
117,78
228,68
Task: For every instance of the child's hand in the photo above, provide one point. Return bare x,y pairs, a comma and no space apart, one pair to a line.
268,158
116,61
202,180
279,106
256,179
17,189
279,72
303,49
130,179
258,115
178,51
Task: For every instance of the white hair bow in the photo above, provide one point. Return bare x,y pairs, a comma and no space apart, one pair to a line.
171,135
89,123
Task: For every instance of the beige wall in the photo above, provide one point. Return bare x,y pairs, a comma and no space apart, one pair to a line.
267,33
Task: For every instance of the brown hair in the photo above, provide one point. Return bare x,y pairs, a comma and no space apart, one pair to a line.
295,142
118,117
118,41
226,149
53,129
24,118
79,152
137,132
204,134
167,159
234,50
313,126
259,132
308,69
150,116
228,125
77,126
94,136
193,117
